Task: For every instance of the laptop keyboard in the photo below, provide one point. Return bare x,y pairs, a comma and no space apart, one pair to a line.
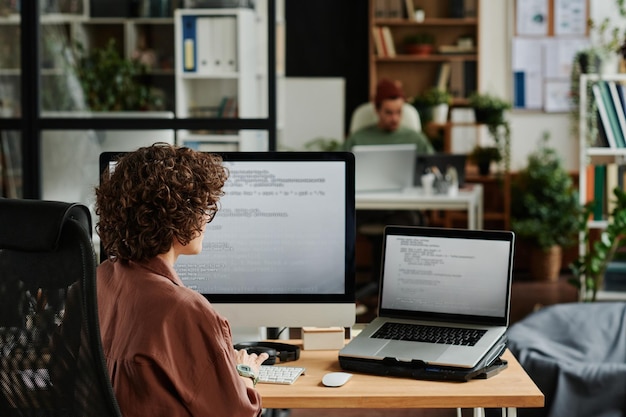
429,334
269,374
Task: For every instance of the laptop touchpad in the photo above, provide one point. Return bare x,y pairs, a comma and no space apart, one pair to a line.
413,350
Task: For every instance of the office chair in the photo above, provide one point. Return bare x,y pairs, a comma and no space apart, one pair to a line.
51,359
365,115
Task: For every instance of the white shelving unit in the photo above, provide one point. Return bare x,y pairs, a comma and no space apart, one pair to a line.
590,155
220,73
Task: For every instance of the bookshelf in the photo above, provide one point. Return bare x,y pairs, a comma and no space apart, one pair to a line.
594,153
454,34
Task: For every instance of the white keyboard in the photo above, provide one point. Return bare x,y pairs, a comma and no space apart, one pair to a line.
270,374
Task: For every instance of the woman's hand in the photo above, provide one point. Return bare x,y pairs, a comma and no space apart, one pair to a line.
253,360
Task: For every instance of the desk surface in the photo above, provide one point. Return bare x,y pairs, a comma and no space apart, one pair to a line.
510,388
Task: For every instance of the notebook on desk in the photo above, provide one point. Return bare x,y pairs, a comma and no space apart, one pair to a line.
384,167
434,278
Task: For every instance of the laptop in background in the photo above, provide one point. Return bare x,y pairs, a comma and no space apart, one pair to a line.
442,161
384,167
457,279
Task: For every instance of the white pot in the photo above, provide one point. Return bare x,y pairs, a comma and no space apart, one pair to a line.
609,64
440,113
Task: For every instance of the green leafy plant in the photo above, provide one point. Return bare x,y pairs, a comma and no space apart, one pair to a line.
489,110
323,144
111,82
590,267
484,154
432,97
544,202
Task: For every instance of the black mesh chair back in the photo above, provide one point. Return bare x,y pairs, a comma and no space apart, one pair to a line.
51,359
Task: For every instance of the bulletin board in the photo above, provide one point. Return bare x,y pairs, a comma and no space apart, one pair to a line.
547,36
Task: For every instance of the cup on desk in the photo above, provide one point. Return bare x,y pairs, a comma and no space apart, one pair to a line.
428,180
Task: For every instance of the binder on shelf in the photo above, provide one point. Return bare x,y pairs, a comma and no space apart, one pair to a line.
604,117
519,89
469,68
189,43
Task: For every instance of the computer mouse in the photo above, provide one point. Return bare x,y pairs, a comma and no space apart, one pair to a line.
336,379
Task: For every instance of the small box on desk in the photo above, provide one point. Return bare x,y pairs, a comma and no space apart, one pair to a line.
322,338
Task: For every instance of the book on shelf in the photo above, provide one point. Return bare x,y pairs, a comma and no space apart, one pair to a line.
612,172
599,189
457,8
383,42
457,79
388,42
409,8
379,47
601,140
604,116
619,109
443,77
618,134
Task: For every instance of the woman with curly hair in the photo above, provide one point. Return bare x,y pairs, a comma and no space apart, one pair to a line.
168,352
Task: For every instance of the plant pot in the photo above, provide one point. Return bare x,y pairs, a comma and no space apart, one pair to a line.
440,113
484,168
419,49
489,116
545,265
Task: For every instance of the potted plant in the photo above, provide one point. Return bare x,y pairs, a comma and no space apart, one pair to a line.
489,110
545,210
433,104
419,44
591,265
483,156
111,82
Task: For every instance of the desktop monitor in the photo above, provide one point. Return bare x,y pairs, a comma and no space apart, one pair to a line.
281,249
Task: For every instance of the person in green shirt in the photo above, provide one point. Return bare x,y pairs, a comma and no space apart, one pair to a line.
388,103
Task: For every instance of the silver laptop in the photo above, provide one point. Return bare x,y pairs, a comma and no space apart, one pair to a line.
433,278
384,167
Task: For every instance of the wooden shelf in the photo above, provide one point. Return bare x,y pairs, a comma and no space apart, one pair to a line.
418,73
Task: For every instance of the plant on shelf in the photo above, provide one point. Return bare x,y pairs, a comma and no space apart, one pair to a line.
111,82
545,210
483,156
323,144
419,44
590,267
432,104
490,111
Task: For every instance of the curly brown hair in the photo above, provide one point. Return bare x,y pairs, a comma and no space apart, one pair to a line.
155,195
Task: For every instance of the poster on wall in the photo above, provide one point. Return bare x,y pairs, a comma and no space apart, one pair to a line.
532,17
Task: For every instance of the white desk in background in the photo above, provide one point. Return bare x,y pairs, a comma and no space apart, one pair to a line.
468,198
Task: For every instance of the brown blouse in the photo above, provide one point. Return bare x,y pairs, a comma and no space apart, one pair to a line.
169,353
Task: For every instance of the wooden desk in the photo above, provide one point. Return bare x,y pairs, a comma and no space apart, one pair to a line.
509,389
469,198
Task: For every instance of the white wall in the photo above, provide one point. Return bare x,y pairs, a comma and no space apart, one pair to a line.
527,126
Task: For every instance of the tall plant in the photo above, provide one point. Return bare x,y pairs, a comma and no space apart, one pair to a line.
590,267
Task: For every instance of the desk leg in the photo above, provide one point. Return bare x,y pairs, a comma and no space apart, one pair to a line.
471,216
479,412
